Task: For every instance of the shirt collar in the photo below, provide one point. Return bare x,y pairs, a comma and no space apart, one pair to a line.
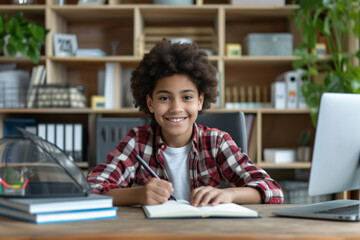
160,144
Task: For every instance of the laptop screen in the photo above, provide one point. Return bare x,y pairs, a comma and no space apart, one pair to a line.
335,162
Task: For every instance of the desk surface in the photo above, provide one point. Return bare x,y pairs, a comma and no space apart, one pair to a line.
131,224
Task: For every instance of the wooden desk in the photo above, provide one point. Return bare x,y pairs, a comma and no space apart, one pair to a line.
131,224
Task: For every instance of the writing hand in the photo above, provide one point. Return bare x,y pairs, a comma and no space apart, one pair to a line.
203,196
156,191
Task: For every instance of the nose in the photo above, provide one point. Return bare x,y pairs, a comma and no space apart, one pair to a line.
176,106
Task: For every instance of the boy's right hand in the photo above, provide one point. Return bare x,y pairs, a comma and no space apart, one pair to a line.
156,191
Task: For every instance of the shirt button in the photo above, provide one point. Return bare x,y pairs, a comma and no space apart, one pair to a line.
162,146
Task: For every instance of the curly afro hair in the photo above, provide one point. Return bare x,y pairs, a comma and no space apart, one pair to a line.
167,59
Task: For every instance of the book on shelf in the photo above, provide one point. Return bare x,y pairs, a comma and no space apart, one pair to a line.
57,217
183,209
43,205
38,76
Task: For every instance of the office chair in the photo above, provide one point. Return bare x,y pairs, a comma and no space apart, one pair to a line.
232,123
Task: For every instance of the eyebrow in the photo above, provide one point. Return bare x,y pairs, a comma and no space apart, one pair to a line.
169,92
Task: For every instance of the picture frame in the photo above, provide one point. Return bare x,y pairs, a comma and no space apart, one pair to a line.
65,45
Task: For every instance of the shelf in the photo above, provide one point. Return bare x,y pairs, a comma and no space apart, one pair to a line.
297,165
34,9
69,111
20,59
253,60
133,110
75,13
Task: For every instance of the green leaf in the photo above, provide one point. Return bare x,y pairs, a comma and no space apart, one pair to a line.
11,49
2,44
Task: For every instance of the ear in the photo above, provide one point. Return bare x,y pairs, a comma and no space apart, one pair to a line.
201,101
149,103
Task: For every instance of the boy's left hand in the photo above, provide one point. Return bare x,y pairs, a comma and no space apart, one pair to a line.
203,196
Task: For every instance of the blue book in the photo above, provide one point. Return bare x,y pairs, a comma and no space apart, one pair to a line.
57,217
44,205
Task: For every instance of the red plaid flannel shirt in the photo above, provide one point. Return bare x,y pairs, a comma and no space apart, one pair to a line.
215,157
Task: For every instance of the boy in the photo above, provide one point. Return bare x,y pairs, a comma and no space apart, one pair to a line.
173,84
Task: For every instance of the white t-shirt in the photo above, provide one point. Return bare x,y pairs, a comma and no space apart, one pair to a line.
177,169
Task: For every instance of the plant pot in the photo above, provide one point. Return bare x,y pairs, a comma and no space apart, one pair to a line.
303,154
18,54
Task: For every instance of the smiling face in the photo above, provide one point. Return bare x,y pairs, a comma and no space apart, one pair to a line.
175,103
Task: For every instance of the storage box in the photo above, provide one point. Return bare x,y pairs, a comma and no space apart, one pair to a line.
268,44
13,88
279,155
59,95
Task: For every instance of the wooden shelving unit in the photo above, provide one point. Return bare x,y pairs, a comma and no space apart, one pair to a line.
96,26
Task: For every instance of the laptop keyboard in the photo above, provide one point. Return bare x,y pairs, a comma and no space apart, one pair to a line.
347,210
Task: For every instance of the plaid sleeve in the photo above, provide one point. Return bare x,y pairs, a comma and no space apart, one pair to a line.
239,170
118,171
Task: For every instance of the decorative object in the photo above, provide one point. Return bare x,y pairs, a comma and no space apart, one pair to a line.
233,49
23,36
303,151
65,45
114,46
335,21
97,102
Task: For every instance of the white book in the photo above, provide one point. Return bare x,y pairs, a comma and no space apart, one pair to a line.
278,95
69,139
50,133
60,132
183,209
112,90
33,86
45,205
58,217
279,155
41,130
78,142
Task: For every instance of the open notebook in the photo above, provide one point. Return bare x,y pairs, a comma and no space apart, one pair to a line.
183,209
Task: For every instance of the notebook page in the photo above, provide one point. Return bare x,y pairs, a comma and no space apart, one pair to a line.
228,209
172,209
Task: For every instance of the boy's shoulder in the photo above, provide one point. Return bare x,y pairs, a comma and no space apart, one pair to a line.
204,131
144,130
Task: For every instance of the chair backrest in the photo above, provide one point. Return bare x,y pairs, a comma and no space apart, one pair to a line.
232,123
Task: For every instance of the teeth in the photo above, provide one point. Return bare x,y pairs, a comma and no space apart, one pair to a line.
175,119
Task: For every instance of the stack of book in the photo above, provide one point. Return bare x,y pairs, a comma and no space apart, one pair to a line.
55,210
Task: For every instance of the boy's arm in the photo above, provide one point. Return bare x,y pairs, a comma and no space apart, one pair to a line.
209,195
156,191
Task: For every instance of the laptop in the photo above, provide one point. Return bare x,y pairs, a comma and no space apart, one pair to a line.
335,162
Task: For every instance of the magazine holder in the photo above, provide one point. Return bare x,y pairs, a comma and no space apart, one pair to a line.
33,167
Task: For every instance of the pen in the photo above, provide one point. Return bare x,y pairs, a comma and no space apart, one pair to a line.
143,163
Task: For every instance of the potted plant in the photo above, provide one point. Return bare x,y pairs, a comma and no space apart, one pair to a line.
335,21
18,35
